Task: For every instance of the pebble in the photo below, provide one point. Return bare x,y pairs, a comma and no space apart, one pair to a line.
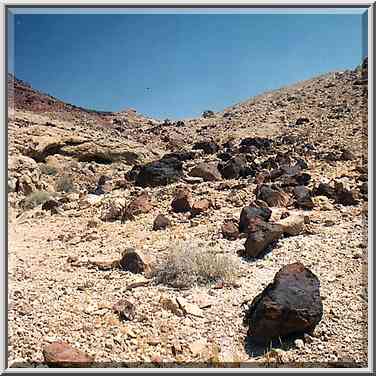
299,343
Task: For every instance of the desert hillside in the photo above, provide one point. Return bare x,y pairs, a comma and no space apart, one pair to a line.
145,242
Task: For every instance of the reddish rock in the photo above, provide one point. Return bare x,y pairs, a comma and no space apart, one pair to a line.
290,305
62,354
200,206
230,230
141,204
182,201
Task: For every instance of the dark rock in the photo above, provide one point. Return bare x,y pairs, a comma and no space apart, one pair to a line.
249,213
347,156
258,142
345,196
301,120
364,188
324,189
51,205
207,171
303,197
234,168
208,147
182,201
290,305
224,156
133,262
62,354
258,240
230,230
208,114
162,172
161,222
125,309
273,196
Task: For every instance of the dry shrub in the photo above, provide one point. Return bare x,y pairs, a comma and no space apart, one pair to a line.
49,170
65,184
189,264
35,199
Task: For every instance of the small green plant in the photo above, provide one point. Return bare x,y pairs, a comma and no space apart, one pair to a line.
46,169
35,199
189,264
65,184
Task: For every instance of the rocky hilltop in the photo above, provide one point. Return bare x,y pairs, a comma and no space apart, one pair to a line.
234,239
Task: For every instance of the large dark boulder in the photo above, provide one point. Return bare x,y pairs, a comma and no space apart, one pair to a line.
234,168
290,305
162,172
303,197
249,214
273,195
260,236
208,147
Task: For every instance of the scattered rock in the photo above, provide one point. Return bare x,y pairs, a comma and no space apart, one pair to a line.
209,147
182,201
134,262
207,171
141,204
198,347
51,205
162,172
189,308
230,230
249,214
200,206
299,344
171,304
259,239
303,197
161,222
292,225
273,196
62,354
125,309
289,305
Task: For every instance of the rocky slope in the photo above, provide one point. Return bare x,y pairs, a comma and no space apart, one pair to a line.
276,180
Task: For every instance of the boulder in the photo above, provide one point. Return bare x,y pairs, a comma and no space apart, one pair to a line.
62,354
303,197
273,196
134,262
324,189
207,171
234,168
161,222
248,214
182,201
261,237
345,196
23,175
159,173
290,305
51,205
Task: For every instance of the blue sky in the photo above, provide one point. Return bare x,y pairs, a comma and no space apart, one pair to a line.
191,62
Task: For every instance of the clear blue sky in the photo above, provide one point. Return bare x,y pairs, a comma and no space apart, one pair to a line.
191,62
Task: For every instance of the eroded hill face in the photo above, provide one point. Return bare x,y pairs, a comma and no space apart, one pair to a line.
145,237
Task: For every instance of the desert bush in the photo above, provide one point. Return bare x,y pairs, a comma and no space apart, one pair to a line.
35,198
188,264
65,184
46,169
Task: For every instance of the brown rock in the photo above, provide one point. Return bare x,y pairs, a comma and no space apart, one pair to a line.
289,305
273,196
161,222
206,171
292,225
141,204
61,354
125,309
303,197
250,215
258,240
230,230
134,262
170,304
182,201
200,206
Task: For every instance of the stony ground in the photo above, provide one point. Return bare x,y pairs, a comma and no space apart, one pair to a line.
56,293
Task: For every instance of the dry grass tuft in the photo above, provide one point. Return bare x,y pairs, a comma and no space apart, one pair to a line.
189,264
